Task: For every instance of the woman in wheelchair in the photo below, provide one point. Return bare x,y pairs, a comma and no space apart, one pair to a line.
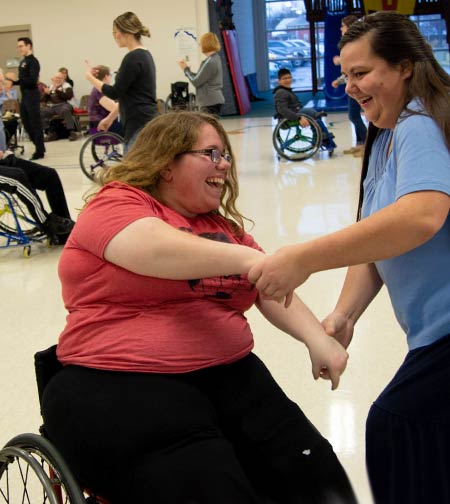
101,108
161,398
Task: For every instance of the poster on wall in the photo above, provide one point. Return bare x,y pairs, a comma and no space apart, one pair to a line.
187,45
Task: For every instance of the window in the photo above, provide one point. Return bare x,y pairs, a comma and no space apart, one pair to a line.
434,29
288,43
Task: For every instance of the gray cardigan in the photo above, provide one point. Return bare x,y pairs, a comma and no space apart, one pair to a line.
208,81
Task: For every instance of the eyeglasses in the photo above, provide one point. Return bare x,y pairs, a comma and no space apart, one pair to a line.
214,154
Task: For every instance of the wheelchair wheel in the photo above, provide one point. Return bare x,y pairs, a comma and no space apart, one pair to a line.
99,152
32,471
14,217
293,142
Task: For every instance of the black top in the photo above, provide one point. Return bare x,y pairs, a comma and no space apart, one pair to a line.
135,89
29,69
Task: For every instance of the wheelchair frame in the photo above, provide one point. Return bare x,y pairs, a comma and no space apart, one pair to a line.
31,468
99,152
16,227
180,98
297,143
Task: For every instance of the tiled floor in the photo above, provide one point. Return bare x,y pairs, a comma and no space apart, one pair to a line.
289,202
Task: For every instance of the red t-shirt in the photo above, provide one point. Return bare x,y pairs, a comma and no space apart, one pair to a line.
119,320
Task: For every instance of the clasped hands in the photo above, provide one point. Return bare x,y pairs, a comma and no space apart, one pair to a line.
277,276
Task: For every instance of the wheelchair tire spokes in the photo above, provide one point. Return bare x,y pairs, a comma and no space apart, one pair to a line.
32,471
294,142
99,152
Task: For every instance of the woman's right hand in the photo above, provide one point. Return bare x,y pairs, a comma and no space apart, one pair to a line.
277,276
339,327
104,124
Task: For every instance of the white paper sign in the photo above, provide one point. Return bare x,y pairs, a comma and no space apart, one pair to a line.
187,46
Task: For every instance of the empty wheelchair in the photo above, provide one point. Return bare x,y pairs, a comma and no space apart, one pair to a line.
99,152
180,98
296,143
32,470
17,228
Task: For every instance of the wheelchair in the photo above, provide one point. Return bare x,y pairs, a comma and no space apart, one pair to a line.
180,98
31,469
99,152
16,226
297,143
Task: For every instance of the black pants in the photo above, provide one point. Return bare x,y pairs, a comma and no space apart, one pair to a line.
223,435
30,113
15,181
42,178
212,109
408,431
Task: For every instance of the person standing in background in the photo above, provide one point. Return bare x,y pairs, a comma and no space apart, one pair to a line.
135,83
354,110
30,112
208,81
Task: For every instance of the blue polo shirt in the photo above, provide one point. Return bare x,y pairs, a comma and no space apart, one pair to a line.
418,282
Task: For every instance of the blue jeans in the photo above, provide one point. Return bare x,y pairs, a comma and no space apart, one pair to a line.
354,114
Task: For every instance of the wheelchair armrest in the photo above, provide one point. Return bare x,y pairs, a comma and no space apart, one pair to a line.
46,365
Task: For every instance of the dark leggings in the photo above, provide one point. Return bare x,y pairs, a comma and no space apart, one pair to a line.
408,431
45,179
222,435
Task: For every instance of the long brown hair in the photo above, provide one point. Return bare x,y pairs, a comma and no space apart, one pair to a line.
159,143
396,39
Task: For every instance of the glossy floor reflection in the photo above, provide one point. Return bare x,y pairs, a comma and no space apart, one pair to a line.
289,202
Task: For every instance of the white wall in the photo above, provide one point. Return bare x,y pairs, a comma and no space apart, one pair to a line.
68,32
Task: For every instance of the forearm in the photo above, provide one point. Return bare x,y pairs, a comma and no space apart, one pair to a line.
94,81
362,283
297,320
151,247
392,231
112,116
108,104
204,74
328,356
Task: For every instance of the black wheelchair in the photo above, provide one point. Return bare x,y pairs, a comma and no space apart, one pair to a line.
296,143
99,152
180,98
31,469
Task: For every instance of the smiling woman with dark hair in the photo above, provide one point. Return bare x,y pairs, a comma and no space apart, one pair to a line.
401,240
